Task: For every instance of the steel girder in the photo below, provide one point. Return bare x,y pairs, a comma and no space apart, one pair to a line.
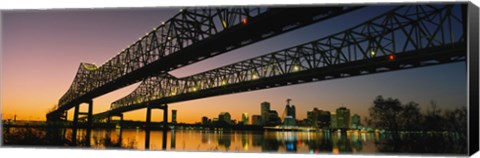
405,37
185,28
189,31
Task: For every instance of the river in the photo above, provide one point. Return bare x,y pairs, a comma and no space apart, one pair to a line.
336,142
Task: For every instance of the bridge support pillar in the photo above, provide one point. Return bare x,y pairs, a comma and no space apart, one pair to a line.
147,127
121,121
165,126
75,124
89,122
148,122
64,125
149,117
165,117
90,114
109,118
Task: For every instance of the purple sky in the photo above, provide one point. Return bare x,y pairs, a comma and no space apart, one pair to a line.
41,52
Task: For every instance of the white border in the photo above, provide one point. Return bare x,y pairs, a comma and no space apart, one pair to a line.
49,4
8,5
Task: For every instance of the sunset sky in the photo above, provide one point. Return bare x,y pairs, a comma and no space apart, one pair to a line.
42,49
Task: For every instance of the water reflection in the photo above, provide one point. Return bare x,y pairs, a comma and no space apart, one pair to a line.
172,139
243,141
319,142
163,140
224,140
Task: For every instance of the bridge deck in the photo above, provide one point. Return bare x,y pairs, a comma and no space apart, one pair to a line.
407,60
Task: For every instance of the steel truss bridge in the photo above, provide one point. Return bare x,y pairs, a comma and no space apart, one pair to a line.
190,36
408,36
403,38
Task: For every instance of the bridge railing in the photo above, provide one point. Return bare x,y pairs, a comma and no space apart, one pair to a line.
403,29
187,27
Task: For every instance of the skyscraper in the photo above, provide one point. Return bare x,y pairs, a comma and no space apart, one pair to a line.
343,117
273,118
225,117
245,119
205,120
355,122
290,109
265,111
174,116
318,118
324,119
256,120
289,121
333,121
311,118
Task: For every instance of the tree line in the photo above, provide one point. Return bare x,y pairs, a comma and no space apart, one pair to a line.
410,129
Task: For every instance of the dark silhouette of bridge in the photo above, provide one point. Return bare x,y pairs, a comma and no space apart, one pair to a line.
409,36
191,35
393,41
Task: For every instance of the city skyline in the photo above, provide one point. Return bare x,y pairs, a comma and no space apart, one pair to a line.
32,80
287,119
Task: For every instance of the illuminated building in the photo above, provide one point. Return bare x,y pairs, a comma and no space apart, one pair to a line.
343,118
318,118
333,121
323,119
290,109
355,122
265,110
289,121
245,119
311,118
273,118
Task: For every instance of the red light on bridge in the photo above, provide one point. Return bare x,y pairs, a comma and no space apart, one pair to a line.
244,21
391,57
